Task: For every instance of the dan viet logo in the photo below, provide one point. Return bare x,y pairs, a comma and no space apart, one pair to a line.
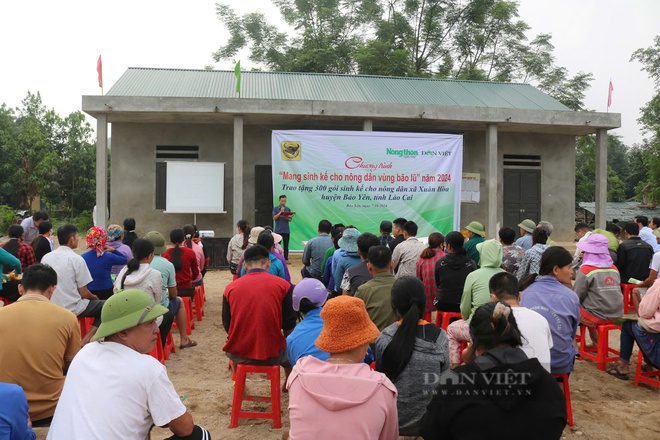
402,152
291,150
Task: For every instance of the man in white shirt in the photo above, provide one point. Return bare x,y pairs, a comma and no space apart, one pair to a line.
406,254
114,391
72,279
646,233
534,328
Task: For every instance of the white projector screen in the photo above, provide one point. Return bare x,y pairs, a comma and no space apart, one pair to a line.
195,188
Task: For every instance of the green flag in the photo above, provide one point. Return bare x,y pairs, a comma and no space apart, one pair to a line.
237,73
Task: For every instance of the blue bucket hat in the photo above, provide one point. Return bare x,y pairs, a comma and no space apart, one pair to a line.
348,240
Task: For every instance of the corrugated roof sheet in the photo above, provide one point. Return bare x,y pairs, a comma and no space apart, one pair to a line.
330,87
624,211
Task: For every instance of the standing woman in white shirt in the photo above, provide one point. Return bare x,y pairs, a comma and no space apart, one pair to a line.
238,244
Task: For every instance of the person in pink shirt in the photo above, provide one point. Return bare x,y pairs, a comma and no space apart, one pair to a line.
342,397
189,233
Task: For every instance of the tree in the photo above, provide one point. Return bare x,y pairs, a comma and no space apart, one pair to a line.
618,170
330,32
8,153
47,156
37,159
650,119
77,178
475,40
422,29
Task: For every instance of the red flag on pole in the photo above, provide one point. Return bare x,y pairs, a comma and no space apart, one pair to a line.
99,69
609,95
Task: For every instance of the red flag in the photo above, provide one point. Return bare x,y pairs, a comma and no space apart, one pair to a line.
99,69
609,94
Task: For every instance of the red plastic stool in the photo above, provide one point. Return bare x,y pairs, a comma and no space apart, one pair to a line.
232,367
187,304
170,347
198,303
603,353
442,319
237,413
645,376
628,304
85,324
563,379
158,353
427,317
464,345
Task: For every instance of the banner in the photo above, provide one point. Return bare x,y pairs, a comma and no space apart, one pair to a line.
360,178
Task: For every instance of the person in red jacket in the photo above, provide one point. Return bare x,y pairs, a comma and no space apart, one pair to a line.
185,263
257,314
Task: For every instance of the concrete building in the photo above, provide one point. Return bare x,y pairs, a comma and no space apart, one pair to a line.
519,140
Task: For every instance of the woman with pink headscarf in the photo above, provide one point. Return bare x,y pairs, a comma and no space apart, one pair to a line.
99,259
597,284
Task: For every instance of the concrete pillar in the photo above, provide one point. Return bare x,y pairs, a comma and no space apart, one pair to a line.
367,125
101,170
238,168
492,179
601,178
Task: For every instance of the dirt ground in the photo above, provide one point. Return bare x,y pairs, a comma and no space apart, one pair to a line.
603,406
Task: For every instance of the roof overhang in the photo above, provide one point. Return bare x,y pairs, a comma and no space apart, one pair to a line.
397,116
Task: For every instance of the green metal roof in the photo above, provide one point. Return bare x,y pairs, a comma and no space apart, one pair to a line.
150,82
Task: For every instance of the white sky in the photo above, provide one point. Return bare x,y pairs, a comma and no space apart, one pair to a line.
52,46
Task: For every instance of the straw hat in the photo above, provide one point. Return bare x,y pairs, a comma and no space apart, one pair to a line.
127,309
346,325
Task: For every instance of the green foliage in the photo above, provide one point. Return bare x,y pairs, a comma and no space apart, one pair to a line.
48,156
7,218
650,60
476,40
649,150
622,176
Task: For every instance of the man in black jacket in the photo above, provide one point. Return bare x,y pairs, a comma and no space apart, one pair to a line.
634,255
